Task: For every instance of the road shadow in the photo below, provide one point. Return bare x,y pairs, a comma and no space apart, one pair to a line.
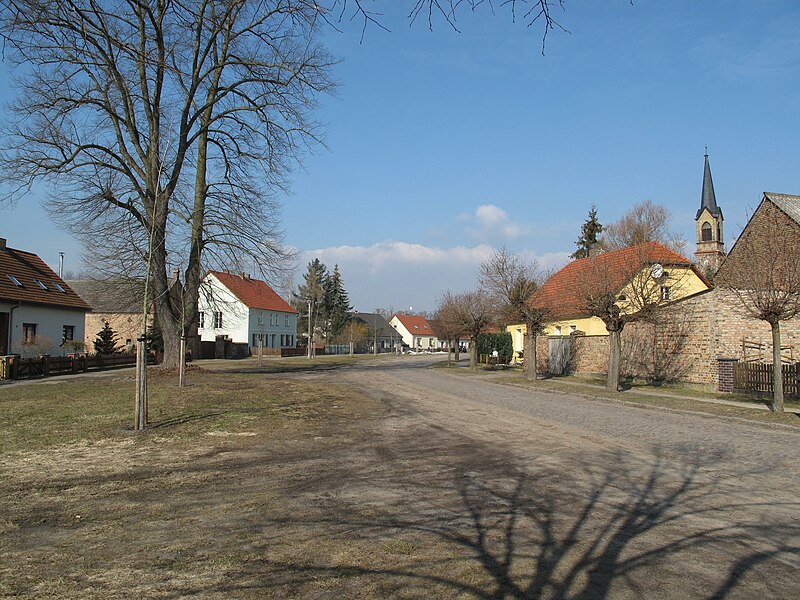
494,530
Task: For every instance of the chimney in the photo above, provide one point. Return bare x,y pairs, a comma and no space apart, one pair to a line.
2,244
60,265
241,274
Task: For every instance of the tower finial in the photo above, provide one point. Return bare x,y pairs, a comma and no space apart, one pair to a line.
706,150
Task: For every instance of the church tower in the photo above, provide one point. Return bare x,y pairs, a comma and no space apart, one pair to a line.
710,242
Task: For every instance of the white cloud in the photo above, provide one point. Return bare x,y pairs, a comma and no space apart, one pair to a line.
401,274
491,223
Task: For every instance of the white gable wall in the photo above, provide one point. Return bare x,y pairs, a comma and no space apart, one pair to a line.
215,297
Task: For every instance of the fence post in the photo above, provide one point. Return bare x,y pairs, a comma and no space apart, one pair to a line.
45,365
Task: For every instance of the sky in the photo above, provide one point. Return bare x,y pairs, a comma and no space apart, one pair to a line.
441,146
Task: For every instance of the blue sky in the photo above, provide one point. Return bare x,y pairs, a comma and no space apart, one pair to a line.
444,145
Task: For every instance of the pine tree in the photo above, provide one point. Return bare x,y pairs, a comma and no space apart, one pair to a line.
311,290
335,304
589,232
106,341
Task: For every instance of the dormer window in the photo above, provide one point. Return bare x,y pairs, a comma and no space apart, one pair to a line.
15,281
706,233
40,283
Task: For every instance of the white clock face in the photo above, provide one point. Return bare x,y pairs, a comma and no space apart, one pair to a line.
657,271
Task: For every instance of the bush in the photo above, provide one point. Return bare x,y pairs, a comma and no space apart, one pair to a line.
489,342
41,344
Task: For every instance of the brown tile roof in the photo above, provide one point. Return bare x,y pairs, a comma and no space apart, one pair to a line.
27,268
254,293
561,293
416,325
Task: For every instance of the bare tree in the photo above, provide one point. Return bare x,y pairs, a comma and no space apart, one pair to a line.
511,283
629,285
167,124
472,312
763,271
644,222
447,322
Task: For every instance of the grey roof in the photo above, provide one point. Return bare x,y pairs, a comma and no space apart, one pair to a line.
787,203
110,296
374,321
707,198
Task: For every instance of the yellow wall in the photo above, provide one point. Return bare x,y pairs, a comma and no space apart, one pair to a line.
682,281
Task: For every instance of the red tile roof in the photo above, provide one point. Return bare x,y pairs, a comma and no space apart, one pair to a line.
254,293
416,325
561,293
27,268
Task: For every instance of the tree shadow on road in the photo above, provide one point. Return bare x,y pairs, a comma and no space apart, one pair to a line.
504,532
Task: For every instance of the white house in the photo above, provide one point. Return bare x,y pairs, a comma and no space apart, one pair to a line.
416,332
245,310
39,312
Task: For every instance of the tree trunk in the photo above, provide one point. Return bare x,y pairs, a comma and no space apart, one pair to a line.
777,372
612,383
529,352
457,349
473,353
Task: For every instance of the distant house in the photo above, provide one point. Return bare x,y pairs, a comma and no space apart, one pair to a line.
379,333
415,331
38,310
245,310
116,302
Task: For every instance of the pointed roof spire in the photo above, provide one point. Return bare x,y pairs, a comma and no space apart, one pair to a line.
708,198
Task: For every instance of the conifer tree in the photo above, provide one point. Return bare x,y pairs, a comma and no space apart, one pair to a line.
311,290
106,341
589,232
335,304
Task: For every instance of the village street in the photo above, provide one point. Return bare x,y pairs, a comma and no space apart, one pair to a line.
560,495
387,477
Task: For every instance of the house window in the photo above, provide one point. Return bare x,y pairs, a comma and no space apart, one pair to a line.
15,281
69,333
202,319
286,320
666,293
558,329
28,333
58,287
705,232
40,283
573,328
217,319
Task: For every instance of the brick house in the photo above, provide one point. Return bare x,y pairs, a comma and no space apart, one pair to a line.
694,338
721,328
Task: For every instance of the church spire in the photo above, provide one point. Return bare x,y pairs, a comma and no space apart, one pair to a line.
708,199
710,244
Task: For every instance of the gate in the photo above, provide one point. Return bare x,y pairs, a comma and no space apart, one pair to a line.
559,354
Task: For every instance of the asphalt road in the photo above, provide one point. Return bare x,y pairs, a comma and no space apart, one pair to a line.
563,496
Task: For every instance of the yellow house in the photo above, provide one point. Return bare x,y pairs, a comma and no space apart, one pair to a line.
648,274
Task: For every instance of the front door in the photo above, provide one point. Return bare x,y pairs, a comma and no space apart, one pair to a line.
4,318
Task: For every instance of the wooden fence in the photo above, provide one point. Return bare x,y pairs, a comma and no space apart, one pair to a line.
757,377
15,367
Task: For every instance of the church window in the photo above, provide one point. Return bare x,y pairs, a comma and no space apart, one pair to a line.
719,232
706,232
